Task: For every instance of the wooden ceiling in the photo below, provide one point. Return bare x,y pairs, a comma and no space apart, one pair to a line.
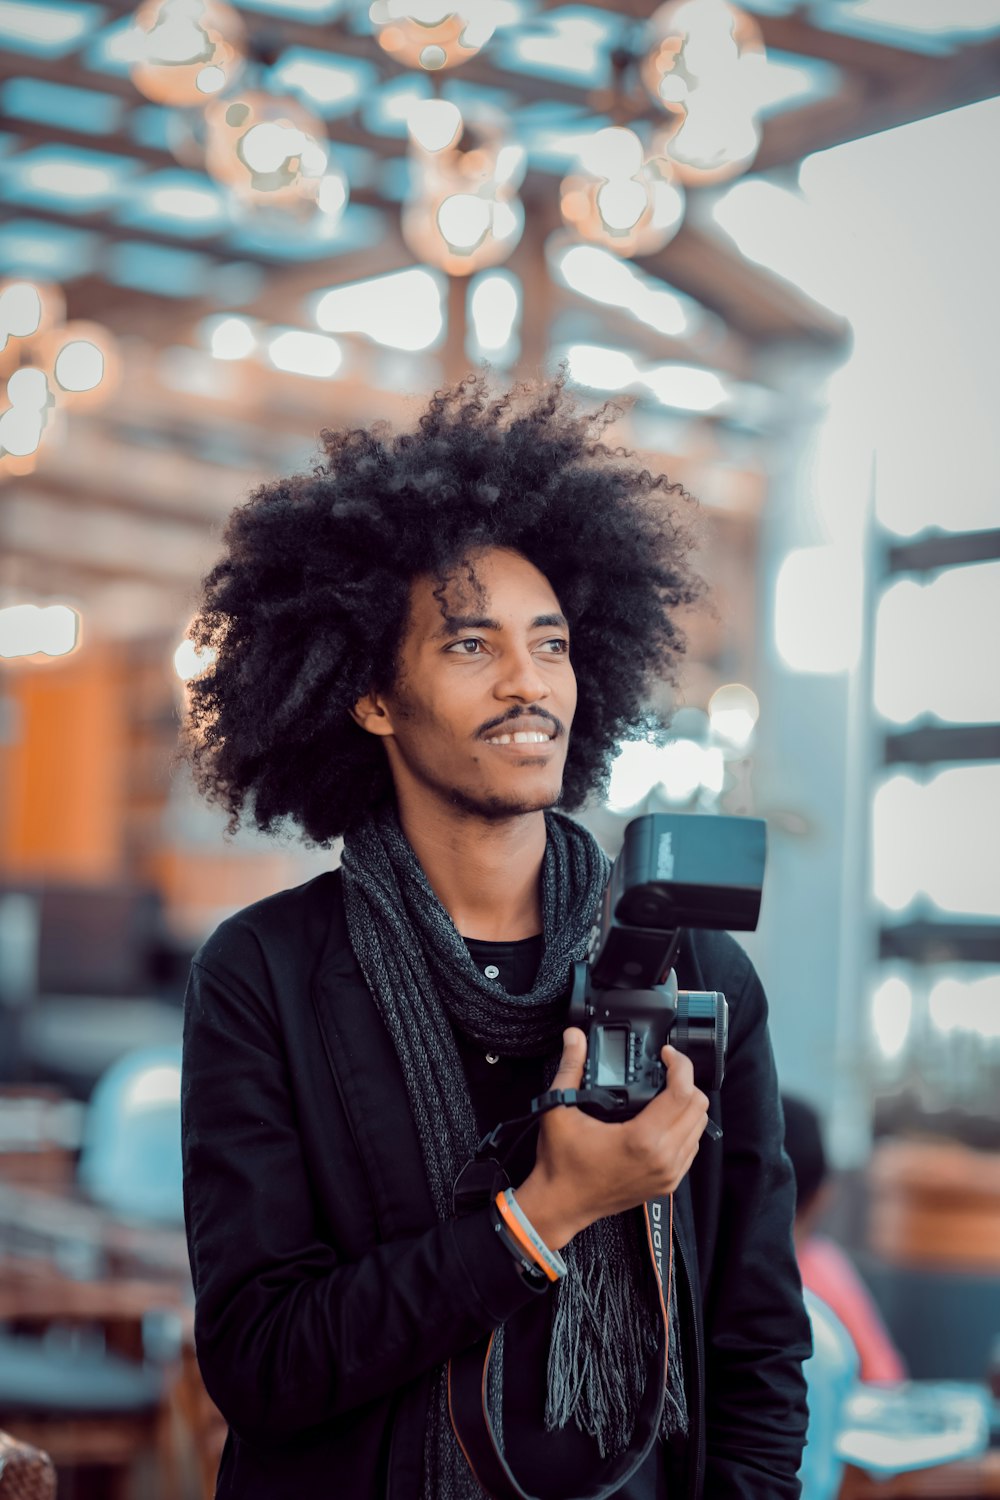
133,494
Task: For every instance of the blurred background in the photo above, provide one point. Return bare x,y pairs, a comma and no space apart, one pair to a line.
775,230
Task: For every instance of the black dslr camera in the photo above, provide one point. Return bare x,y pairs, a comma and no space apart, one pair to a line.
674,870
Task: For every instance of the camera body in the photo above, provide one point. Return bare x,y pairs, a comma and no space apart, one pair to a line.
674,870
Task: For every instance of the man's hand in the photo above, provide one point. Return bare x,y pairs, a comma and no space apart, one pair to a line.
586,1169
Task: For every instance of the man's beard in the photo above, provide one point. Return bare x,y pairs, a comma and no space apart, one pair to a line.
493,808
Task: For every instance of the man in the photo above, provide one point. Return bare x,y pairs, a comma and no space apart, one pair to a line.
425,646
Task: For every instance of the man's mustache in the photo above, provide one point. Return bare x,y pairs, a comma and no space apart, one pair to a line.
522,713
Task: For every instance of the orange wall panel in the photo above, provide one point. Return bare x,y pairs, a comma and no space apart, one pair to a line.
62,780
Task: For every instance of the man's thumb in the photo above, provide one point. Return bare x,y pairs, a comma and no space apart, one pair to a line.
569,1074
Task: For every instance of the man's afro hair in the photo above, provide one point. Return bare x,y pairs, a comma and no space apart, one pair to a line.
306,609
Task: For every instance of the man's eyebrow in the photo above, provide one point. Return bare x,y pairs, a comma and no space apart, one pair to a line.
483,622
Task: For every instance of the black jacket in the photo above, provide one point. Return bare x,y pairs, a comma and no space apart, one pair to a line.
326,1290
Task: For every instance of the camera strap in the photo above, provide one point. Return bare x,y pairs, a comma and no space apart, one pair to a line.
469,1374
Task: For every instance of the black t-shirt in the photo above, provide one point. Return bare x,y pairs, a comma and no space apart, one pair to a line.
502,1087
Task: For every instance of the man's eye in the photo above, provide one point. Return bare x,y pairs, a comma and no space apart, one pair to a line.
468,640
558,646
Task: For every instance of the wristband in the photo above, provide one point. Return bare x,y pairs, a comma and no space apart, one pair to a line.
531,1273
524,1232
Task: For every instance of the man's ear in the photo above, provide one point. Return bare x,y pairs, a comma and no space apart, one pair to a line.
372,714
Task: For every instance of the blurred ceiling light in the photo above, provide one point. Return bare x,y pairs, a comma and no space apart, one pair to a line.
271,151
229,338
332,193
573,44
190,661
387,110
86,364
892,1014
22,424
817,610
434,124
20,310
46,29
21,431
733,711
959,15
716,140
635,770
464,220
611,153
703,68
80,180
604,277
401,310
494,307
186,51
28,308
465,214
624,201
687,387
79,366
302,353
193,203
432,34
326,81
28,388
35,630
601,368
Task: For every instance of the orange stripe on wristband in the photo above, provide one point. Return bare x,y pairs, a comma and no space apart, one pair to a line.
522,1239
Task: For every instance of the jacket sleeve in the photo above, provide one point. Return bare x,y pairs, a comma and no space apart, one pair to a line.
290,1332
756,1327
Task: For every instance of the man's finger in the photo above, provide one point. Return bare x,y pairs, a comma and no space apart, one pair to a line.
569,1074
680,1070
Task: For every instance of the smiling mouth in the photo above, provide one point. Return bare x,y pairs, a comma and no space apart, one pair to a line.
521,737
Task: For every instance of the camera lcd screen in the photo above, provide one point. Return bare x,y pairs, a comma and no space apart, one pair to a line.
611,1054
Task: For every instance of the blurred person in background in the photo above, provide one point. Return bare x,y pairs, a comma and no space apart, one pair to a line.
827,1270
831,1373
426,646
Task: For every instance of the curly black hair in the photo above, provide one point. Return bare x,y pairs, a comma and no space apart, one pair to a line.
306,610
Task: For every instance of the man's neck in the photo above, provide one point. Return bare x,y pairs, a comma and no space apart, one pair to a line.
485,873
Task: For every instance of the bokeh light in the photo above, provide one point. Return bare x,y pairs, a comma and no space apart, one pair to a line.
190,661
431,34
38,630
86,364
186,51
733,711
272,151
703,68
464,214
892,1015
621,199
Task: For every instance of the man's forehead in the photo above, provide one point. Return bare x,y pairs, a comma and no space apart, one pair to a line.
482,588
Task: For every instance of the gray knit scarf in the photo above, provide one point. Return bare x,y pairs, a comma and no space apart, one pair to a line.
423,981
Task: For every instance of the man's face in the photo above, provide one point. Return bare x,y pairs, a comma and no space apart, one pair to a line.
480,713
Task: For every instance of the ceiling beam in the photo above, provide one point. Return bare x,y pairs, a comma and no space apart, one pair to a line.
761,306
867,107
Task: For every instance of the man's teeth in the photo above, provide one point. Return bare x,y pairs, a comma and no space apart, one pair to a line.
523,737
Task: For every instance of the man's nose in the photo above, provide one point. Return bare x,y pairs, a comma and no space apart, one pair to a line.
521,678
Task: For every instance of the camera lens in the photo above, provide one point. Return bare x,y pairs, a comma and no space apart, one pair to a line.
701,1032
